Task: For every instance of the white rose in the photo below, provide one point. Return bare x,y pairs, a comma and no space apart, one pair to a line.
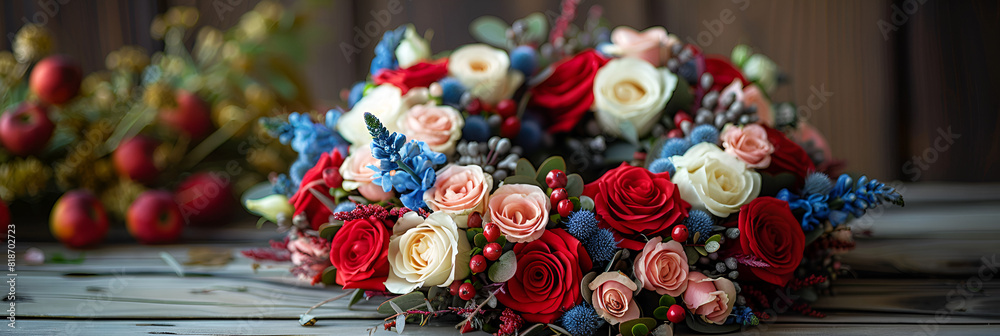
631,93
412,49
484,71
713,180
426,252
438,126
384,101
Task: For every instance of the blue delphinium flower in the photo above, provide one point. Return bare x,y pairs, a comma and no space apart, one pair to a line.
582,319
674,146
662,165
385,50
743,315
581,224
283,185
815,207
407,167
845,199
700,221
345,206
357,92
307,138
601,246
704,133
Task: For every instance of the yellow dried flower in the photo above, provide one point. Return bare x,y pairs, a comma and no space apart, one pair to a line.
128,58
23,177
32,43
159,95
270,10
120,195
7,65
158,29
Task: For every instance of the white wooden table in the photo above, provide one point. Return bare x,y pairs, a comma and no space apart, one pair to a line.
911,275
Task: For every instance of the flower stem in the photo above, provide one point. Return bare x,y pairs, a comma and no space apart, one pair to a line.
409,170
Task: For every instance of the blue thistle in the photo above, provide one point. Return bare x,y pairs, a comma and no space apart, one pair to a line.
674,146
700,221
581,320
817,183
581,224
704,133
662,165
601,246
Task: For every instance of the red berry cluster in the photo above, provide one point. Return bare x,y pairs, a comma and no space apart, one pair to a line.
506,109
556,180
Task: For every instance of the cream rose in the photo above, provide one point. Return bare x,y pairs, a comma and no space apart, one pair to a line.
652,45
711,180
439,126
612,297
630,92
749,144
662,267
426,252
384,101
358,176
412,48
459,191
484,71
520,210
710,299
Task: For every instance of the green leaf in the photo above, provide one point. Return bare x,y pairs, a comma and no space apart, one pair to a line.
574,185
575,201
691,254
536,27
550,164
640,330
329,275
555,218
490,30
502,240
328,230
524,168
667,301
811,236
538,329
628,131
504,268
518,179
712,246
472,232
660,313
559,330
701,250
405,302
480,240
716,238
588,294
627,328
356,297
586,203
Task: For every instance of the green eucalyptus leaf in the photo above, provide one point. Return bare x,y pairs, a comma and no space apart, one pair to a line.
504,268
519,179
628,131
329,276
480,240
660,313
628,327
328,230
667,301
405,302
701,250
472,232
356,297
716,238
490,30
536,27
524,168
574,185
691,254
712,246
550,164
538,329
811,236
640,330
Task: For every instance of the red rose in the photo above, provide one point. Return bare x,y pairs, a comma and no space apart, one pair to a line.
305,201
422,74
569,91
769,233
360,252
633,202
788,157
547,280
723,73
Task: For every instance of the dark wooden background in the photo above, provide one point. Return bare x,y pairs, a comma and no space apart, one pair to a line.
893,96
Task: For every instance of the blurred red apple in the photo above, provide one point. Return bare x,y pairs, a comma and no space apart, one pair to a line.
78,219
192,116
205,199
26,130
154,218
134,158
56,79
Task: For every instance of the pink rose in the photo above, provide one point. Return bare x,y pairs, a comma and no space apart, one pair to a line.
520,210
439,126
662,267
459,191
753,96
749,144
612,297
358,176
652,45
711,299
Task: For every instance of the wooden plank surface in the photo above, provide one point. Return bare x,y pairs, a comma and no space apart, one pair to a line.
924,270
